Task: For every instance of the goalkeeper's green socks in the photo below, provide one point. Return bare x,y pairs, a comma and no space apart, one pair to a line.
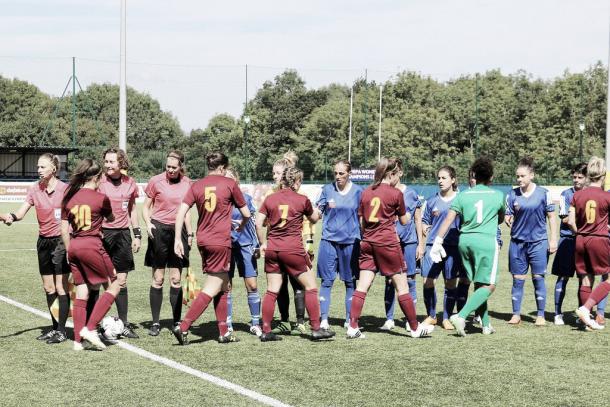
475,301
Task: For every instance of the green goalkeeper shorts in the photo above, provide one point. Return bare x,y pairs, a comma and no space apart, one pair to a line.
480,257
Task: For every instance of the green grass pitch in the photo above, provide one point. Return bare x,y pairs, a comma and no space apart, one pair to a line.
524,365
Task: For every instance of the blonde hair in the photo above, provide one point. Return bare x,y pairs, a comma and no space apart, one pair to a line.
596,169
290,177
53,159
289,159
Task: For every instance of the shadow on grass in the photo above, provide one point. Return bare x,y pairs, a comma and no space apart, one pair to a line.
18,333
506,316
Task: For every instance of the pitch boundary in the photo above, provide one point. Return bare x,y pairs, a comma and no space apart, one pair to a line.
168,362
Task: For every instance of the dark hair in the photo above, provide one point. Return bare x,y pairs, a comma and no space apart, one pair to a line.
580,168
384,167
121,157
526,162
53,159
215,160
482,170
346,163
85,171
291,176
451,171
178,155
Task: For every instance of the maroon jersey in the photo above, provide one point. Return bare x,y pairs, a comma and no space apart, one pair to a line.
592,205
284,210
215,197
122,197
378,209
85,211
48,207
166,196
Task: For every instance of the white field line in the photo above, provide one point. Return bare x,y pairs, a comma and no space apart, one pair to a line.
168,362
17,250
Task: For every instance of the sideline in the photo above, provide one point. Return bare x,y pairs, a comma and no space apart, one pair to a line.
168,362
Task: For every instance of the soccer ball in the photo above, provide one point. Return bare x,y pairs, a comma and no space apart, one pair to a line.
112,327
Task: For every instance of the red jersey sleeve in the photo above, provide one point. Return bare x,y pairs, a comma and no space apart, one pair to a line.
401,209
237,196
263,209
308,210
190,197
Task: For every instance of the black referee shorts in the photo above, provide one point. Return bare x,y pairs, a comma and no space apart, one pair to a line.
117,243
51,256
160,252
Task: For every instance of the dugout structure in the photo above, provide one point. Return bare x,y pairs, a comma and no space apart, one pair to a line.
20,163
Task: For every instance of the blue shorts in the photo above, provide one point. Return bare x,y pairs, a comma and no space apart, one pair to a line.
243,258
409,250
451,266
339,258
523,255
564,264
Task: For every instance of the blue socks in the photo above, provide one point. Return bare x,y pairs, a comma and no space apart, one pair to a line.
449,302
325,290
461,295
601,306
388,298
254,303
430,301
350,286
517,295
230,310
560,293
412,288
540,292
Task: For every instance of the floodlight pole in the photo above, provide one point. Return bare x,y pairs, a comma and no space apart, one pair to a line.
380,105
246,122
607,186
351,112
73,101
122,86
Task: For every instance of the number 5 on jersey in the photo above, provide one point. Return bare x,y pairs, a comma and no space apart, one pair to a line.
210,198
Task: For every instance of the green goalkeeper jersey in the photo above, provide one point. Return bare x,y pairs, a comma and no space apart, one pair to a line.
478,208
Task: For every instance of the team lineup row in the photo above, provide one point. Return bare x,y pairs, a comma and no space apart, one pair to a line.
384,228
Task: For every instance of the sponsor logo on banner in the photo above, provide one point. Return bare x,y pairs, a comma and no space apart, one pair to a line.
362,174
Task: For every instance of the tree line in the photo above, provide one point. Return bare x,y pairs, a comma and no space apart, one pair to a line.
425,122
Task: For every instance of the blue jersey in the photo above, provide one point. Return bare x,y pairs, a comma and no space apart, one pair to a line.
529,213
340,213
248,235
564,206
407,233
435,212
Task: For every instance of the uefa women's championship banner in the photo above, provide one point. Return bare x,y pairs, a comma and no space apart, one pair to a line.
17,191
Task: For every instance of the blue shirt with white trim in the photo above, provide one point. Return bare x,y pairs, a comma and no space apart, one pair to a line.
340,212
435,211
529,213
407,233
248,234
564,207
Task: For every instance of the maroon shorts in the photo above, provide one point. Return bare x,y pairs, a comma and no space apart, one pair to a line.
592,255
89,262
215,259
292,263
388,260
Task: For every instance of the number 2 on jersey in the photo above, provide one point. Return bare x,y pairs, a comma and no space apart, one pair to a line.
82,217
375,203
479,206
283,215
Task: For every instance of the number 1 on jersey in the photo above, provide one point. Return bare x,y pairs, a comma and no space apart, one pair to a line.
479,206
283,215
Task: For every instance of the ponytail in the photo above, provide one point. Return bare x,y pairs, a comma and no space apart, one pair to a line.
85,171
384,167
290,177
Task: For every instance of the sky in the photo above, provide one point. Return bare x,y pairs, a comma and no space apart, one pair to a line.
191,55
